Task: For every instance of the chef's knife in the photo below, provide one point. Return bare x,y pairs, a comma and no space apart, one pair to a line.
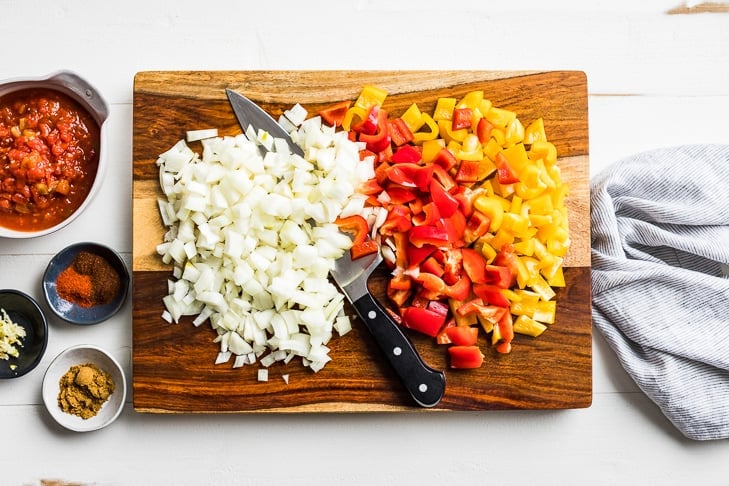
425,384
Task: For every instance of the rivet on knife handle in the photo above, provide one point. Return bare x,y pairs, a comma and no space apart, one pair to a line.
425,384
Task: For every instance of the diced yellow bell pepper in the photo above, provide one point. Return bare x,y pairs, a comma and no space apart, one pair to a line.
422,136
545,311
500,117
517,157
370,96
535,132
491,148
528,326
540,286
543,150
514,132
516,224
557,280
413,118
488,252
445,128
444,109
501,238
354,113
525,247
431,148
484,107
471,100
499,136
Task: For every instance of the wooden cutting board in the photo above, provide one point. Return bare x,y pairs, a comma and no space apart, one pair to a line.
173,370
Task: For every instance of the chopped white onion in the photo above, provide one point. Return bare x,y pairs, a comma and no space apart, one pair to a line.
252,238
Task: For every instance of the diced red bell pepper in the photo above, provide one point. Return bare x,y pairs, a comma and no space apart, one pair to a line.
446,203
474,265
441,175
445,158
370,187
478,225
411,175
357,226
369,125
399,194
431,265
507,258
397,221
408,153
506,333
505,174
442,337
400,133
378,140
461,118
483,130
499,276
334,114
429,216
462,335
456,226
429,235
417,255
423,320
465,357
491,295
437,289
468,171
439,307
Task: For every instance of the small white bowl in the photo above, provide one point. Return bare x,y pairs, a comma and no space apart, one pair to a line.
78,355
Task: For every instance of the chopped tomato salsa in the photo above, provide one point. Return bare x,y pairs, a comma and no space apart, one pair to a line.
49,155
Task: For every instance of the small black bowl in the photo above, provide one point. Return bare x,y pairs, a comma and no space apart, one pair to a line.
24,311
74,313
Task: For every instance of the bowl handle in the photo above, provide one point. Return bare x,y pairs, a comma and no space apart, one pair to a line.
84,91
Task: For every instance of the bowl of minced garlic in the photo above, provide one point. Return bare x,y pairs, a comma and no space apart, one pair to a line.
84,388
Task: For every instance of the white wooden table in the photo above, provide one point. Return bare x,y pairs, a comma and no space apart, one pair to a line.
658,75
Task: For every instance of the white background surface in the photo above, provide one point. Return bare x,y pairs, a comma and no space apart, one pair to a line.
655,79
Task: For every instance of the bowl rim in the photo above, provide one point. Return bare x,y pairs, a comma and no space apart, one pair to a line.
124,276
51,402
44,323
73,85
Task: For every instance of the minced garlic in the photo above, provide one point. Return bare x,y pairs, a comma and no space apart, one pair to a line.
11,335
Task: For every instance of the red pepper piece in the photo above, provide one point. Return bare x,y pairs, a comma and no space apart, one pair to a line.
334,114
428,235
399,194
483,130
411,175
465,357
428,216
442,337
491,294
357,226
462,335
468,171
441,175
446,203
507,258
379,139
423,320
477,225
416,255
400,133
397,221
504,172
506,330
499,276
461,118
369,125
445,159
431,265
474,265
408,153
456,227
370,187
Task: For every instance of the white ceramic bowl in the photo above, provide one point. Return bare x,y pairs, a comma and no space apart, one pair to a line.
88,97
77,355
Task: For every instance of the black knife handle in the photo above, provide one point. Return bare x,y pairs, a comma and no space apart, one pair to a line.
425,384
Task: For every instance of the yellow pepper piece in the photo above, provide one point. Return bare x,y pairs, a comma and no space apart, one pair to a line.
528,326
517,157
485,168
545,311
514,132
535,132
419,137
500,117
471,100
370,96
543,150
446,131
444,109
431,148
413,118
355,112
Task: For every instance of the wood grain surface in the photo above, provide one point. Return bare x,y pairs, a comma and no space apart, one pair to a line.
173,370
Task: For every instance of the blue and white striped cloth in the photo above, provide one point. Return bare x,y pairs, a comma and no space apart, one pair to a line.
660,283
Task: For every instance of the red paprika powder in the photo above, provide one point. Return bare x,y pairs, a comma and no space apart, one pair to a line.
88,281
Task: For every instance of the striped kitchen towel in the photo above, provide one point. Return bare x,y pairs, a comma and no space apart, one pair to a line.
660,279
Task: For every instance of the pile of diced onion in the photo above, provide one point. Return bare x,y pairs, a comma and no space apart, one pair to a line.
252,238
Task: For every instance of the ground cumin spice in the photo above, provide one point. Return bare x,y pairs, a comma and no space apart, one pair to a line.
88,281
84,389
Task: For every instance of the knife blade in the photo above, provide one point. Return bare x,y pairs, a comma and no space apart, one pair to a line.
249,113
425,385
